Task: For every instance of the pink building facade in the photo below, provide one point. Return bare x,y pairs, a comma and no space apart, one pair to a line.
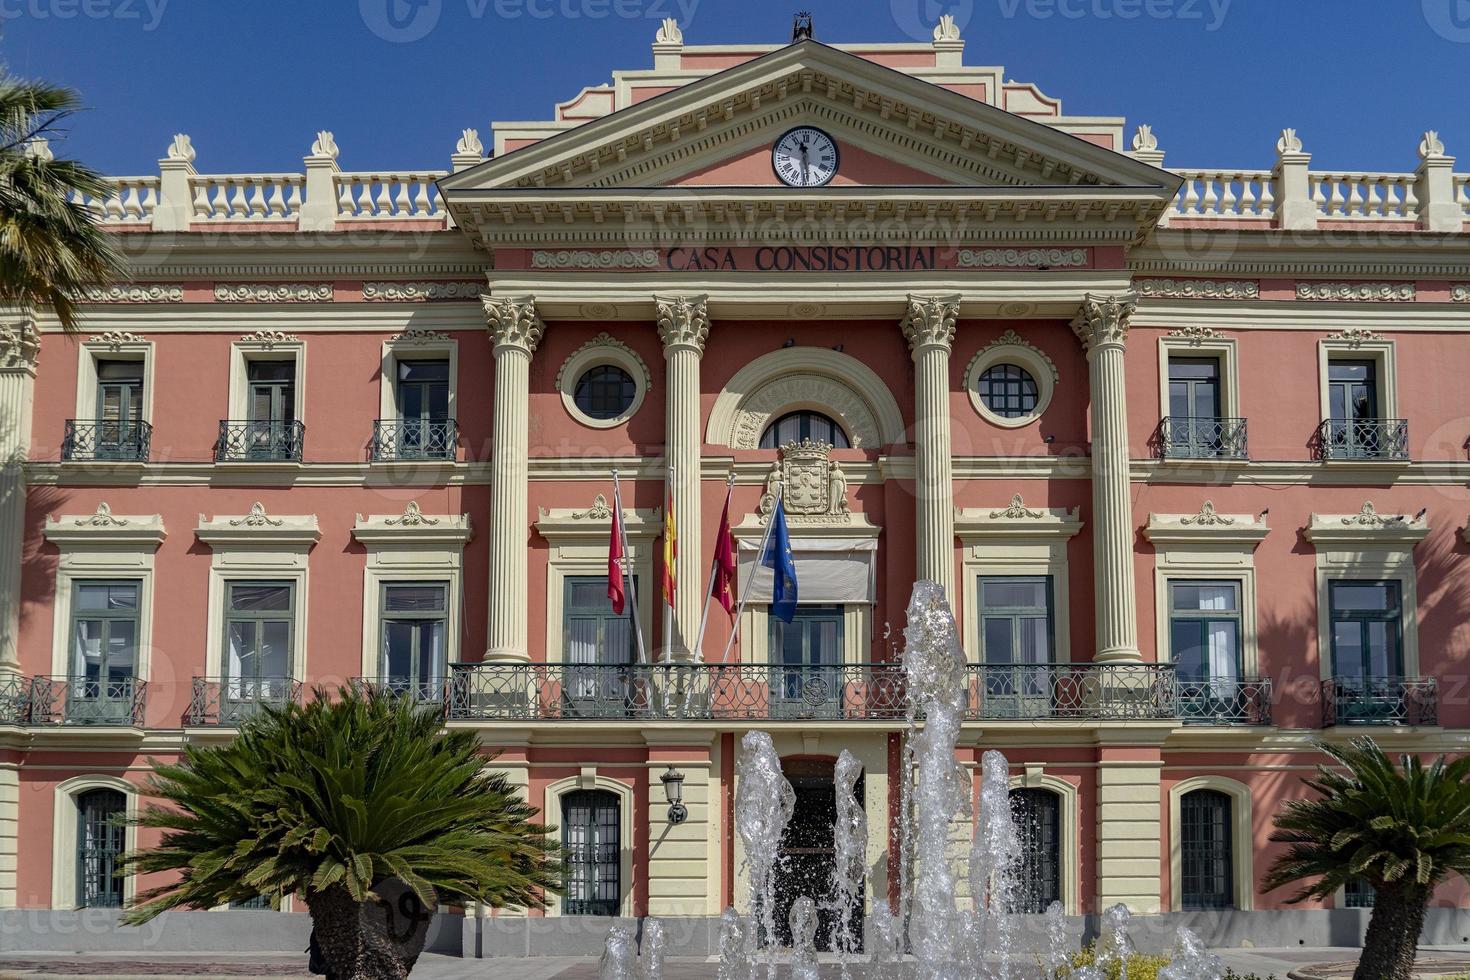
1186,448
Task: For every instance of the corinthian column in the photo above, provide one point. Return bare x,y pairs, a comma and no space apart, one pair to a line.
683,326
929,329
19,349
1102,326
515,331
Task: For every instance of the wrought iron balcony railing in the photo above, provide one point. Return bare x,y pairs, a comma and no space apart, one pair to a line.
414,439
87,701
1380,701
427,692
1191,437
1385,439
1224,701
101,439
15,700
267,441
767,692
230,701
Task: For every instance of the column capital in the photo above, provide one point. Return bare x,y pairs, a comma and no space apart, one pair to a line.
513,322
930,321
1103,320
20,347
683,322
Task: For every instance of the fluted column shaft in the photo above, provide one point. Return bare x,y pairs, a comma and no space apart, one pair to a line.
929,329
19,349
515,331
1102,326
683,326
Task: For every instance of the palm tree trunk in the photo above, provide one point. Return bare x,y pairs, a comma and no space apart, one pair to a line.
1393,935
353,942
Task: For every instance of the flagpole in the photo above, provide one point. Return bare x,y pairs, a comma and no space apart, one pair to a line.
750,580
628,580
709,593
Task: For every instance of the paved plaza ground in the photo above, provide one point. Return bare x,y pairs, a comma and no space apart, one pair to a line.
19,966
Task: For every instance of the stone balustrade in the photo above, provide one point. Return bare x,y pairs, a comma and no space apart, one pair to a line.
132,201
247,197
389,195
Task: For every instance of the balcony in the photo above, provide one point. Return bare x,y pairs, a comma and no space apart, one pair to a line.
1364,439
875,692
1191,437
1224,701
86,701
233,700
424,692
1380,701
15,699
268,441
409,440
97,440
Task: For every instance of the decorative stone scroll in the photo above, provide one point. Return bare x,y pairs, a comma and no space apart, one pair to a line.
256,518
412,516
420,292
416,337
273,292
1356,336
102,518
1356,292
1016,511
643,258
814,488
1207,517
269,339
1197,335
1368,529
145,292
115,340
1460,294
20,346
1021,258
1198,288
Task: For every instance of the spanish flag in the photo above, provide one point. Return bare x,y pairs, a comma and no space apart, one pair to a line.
671,549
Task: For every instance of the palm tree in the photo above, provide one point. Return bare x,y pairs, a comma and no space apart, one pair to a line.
51,248
1401,828
362,806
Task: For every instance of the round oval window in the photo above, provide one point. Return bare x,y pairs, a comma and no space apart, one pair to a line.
1008,390
604,392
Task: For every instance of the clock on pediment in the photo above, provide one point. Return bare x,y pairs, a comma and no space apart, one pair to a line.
805,157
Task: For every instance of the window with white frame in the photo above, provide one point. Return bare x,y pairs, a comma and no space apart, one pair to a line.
414,630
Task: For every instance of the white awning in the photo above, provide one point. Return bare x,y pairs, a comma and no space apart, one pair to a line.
828,570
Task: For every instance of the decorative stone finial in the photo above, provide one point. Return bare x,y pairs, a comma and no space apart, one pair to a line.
801,27
325,145
1144,140
669,33
182,148
39,148
1289,142
946,29
1431,146
257,518
102,518
469,142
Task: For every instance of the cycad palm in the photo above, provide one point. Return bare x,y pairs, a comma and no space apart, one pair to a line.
1401,828
51,248
349,804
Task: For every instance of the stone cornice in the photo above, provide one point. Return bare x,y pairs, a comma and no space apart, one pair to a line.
258,529
1361,254
929,321
683,322
412,528
104,530
513,323
1015,520
1208,528
596,521
1368,529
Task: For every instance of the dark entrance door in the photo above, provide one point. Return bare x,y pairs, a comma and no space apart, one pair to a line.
808,852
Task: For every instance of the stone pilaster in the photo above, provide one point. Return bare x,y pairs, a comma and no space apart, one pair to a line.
19,350
9,832
680,877
1102,326
929,328
515,331
1129,829
683,326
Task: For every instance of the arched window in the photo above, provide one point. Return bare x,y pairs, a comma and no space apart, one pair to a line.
101,840
796,426
1037,813
1206,871
591,852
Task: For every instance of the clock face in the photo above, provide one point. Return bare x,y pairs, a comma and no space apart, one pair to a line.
804,157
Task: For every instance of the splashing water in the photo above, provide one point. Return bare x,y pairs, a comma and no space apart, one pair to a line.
803,921
764,802
737,936
1113,942
654,943
887,942
850,841
1192,961
1057,952
619,955
995,864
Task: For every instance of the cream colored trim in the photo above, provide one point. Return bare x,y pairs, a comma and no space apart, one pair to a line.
103,546
412,547
1242,845
9,832
603,349
754,644
1202,342
551,818
1068,820
113,345
1016,540
416,345
1361,345
64,835
265,345
1010,348
854,394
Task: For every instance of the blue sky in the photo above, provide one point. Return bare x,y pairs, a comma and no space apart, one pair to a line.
252,80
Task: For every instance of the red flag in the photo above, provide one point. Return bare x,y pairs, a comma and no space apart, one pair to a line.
725,562
615,564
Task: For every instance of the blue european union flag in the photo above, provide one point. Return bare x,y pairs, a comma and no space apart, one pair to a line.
778,559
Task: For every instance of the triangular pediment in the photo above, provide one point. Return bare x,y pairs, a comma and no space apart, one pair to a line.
716,127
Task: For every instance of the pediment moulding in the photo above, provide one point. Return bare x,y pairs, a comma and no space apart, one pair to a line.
1016,520
595,521
1207,527
1368,528
103,529
413,525
259,528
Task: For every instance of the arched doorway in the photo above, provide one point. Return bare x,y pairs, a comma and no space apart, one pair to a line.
808,849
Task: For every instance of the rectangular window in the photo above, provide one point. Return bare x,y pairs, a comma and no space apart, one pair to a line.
598,646
259,618
1204,643
425,430
1016,644
1367,652
119,409
806,655
1352,390
1355,428
272,390
415,621
104,660
1194,428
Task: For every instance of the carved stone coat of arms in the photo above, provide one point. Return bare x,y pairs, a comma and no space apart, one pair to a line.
815,488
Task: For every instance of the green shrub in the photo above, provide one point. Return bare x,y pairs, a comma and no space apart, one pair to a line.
1141,966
